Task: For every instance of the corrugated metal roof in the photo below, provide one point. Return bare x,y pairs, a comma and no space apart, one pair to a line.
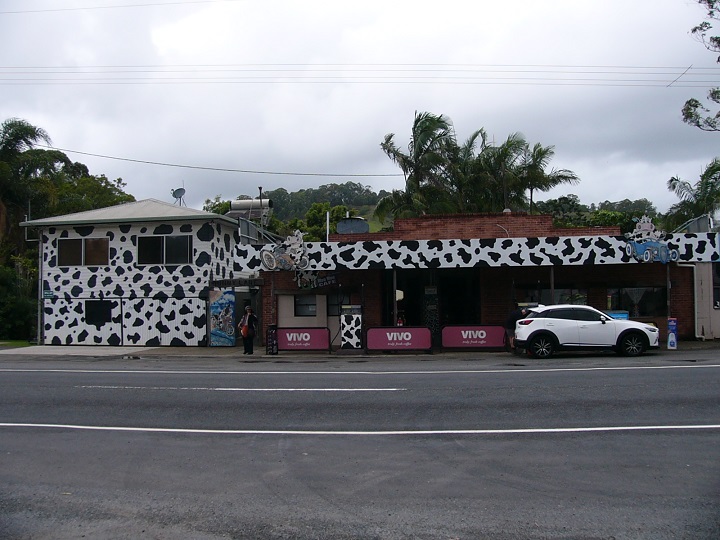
145,210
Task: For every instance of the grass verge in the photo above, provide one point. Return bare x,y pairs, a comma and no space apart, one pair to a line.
14,343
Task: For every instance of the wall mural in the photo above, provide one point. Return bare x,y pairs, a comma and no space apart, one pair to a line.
647,244
496,252
222,318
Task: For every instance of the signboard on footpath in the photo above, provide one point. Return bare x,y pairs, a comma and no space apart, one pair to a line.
395,338
458,337
303,339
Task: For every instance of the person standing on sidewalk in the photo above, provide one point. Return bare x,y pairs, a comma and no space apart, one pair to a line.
247,327
515,315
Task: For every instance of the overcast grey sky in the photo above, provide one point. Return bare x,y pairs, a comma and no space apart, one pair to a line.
313,86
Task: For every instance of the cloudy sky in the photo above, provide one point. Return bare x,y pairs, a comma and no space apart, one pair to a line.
224,96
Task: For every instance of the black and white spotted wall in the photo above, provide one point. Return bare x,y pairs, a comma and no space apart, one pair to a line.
147,304
547,251
351,331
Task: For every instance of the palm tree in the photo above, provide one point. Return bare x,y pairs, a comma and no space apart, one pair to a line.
465,173
701,198
535,177
500,174
16,137
424,167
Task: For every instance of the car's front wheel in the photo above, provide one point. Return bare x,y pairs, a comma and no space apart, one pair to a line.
542,346
631,345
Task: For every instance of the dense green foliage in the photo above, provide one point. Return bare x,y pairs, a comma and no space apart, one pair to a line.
37,183
567,211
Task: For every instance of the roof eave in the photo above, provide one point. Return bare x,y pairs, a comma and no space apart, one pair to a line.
58,223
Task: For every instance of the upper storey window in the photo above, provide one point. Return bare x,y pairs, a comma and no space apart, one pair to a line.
83,251
165,249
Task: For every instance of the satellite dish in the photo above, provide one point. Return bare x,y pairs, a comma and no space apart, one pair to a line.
179,195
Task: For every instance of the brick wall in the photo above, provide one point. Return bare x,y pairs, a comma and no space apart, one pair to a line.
440,227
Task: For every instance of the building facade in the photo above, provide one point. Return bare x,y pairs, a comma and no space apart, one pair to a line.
143,274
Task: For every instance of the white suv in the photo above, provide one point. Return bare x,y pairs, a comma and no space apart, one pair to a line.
552,328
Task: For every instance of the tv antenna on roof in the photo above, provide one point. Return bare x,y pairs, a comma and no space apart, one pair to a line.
179,195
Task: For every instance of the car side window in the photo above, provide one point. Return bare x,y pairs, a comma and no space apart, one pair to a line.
587,315
560,314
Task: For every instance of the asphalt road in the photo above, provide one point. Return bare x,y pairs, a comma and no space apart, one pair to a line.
488,446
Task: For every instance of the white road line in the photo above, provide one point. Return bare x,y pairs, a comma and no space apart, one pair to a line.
530,431
411,372
218,389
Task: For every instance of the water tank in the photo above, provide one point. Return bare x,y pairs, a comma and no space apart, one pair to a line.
352,225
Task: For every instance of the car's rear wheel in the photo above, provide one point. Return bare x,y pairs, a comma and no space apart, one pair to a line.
632,345
542,346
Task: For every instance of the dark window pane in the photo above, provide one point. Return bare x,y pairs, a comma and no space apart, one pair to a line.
150,250
334,301
98,312
178,249
587,315
69,252
561,314
96,251
305,306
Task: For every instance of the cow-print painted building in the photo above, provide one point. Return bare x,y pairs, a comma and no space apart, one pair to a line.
134,274
138,274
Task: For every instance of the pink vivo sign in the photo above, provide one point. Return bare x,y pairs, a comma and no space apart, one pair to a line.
399,338
303,339
473,336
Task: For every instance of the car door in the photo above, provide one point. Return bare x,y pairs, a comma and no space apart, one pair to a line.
562,323
592,330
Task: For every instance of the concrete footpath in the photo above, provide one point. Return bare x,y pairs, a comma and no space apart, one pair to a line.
100,351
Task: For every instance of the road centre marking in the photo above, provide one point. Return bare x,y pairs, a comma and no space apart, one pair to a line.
218,389
529,431
410,372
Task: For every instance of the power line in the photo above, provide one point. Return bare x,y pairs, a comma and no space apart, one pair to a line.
220,169
116,6
448,74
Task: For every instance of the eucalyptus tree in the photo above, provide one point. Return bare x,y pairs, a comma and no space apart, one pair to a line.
424,167
694,112
697,199
535,176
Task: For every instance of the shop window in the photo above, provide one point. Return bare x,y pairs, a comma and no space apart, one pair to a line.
639,301
98,312
561,296
83,251
164,249
334,301
716,285
305,305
